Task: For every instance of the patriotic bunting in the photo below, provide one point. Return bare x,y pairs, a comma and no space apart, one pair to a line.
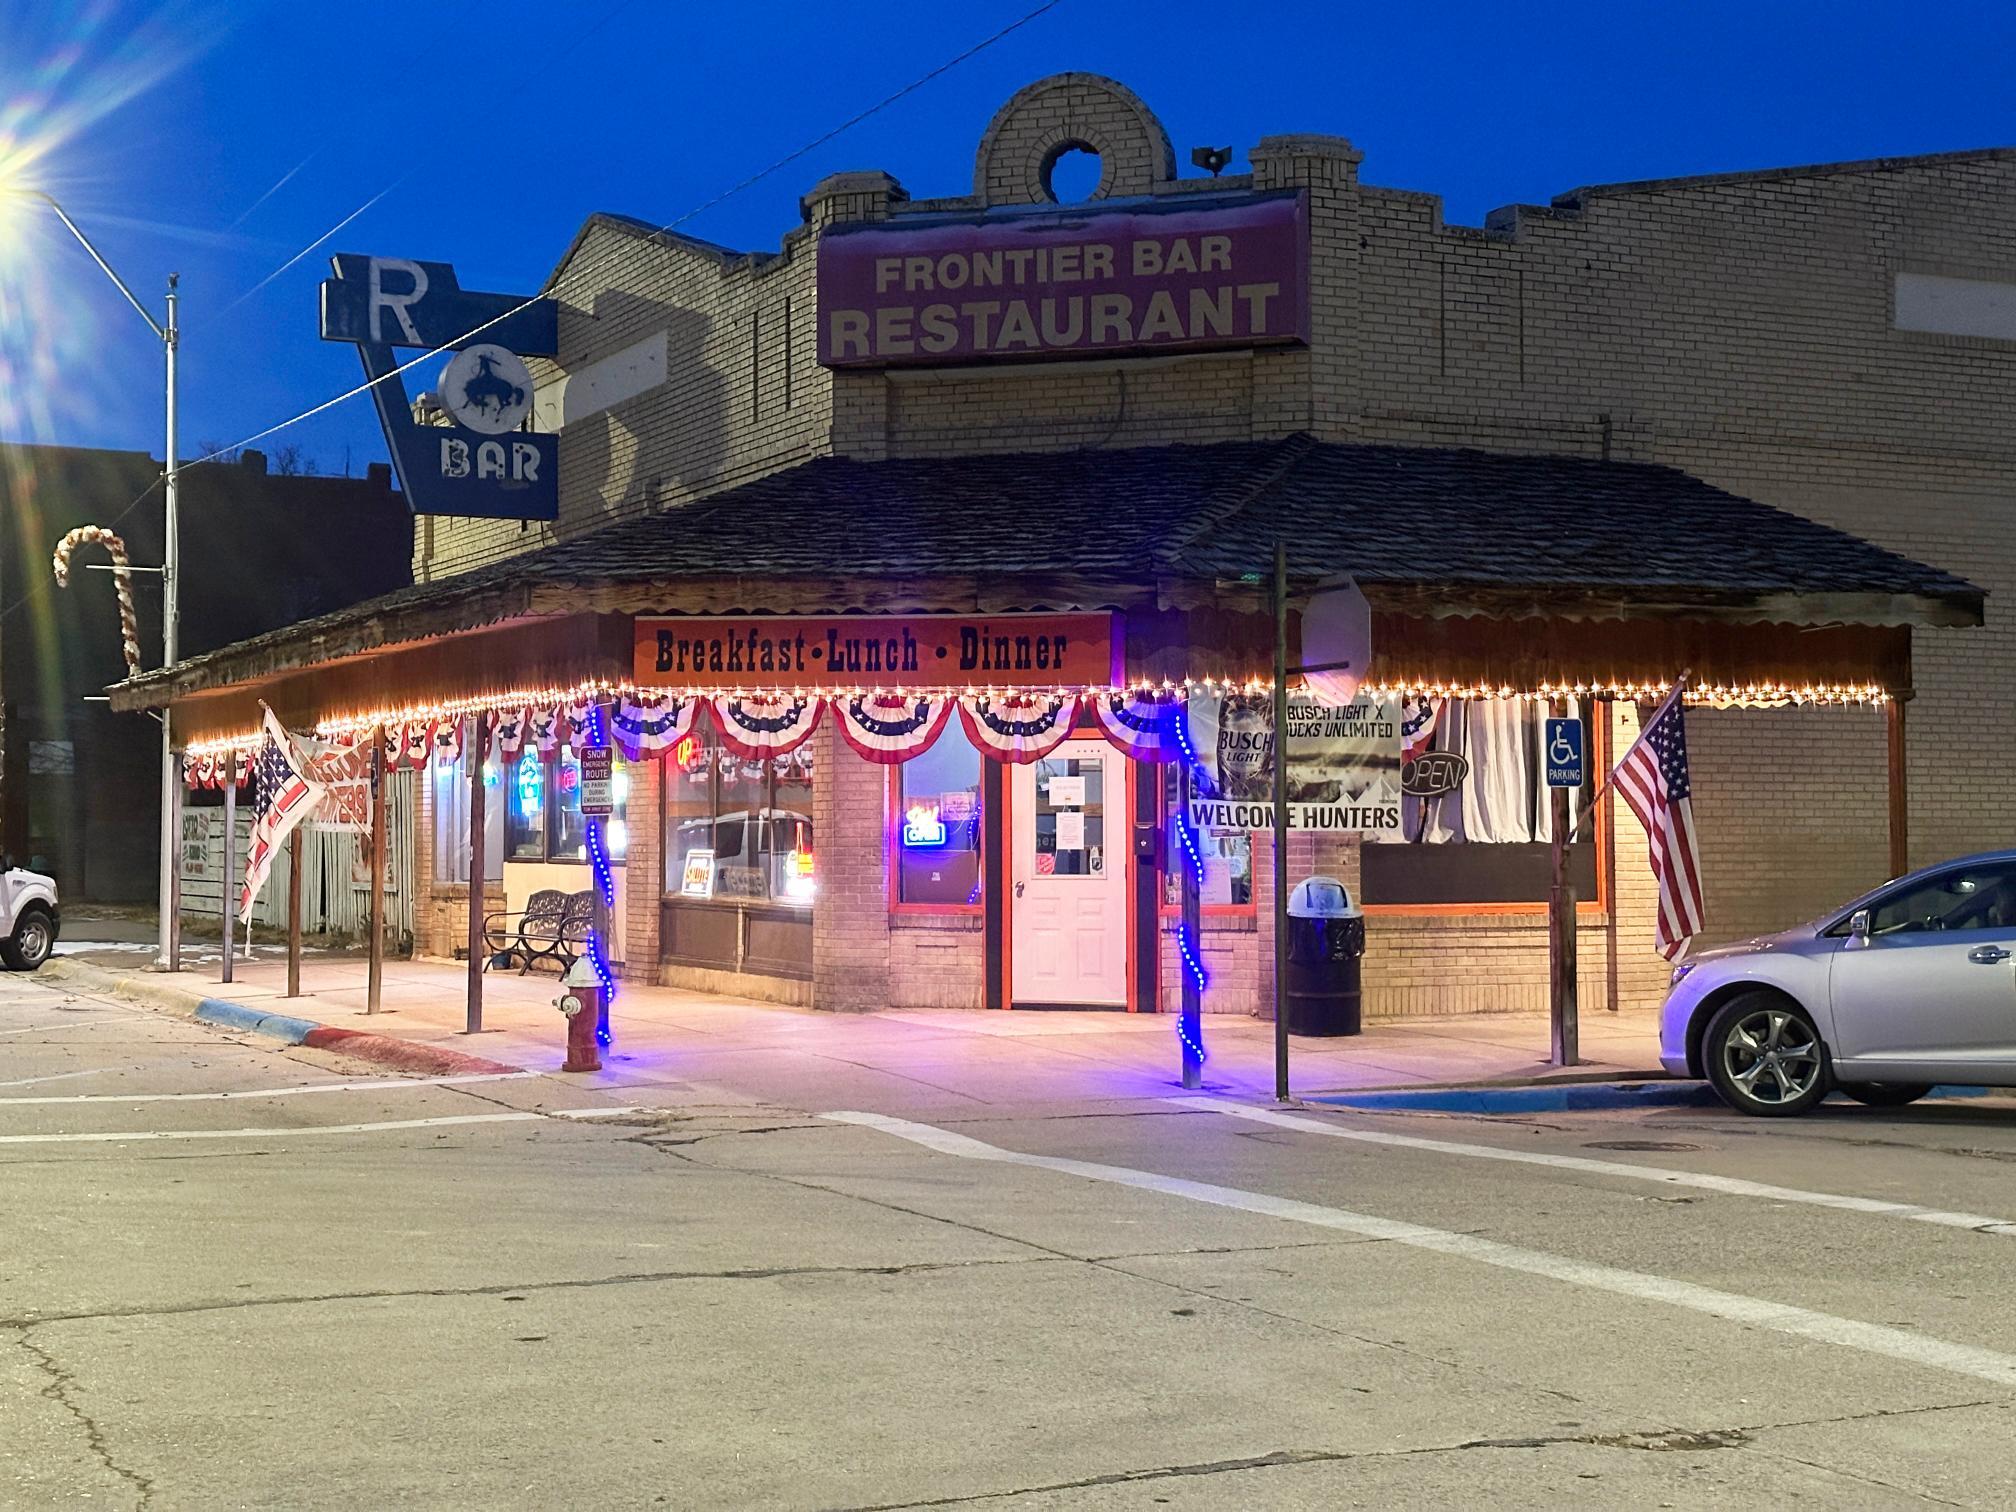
890,727
512,725
445,741
210,771
1144,728
546,729
644,727
1018,727
766,724
407,745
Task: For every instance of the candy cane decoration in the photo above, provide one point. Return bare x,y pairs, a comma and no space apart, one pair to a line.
122,580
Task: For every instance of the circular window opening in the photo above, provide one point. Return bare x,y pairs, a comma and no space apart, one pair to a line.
1072,173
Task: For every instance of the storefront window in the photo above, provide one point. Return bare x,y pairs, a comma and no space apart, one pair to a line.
1487,839
938,824
736,829
451,822
1227,856
542,808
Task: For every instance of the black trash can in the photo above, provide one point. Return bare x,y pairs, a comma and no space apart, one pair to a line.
1326,950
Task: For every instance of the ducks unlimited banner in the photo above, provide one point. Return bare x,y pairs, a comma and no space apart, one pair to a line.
1343,763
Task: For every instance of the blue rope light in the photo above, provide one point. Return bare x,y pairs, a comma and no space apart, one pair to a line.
1188,947
605,884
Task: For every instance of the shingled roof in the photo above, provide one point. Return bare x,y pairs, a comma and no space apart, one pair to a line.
1424,520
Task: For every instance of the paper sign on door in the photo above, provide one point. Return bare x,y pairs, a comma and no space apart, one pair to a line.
1067,792
1070,831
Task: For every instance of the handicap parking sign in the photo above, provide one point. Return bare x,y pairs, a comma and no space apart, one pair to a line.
1564,753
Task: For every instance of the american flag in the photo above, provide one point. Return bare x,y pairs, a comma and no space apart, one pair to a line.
1418,718
281,798
1654,781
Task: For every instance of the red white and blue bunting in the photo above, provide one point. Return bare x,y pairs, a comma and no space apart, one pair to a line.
1144,726
511,727
211,770
891,727
766,724
646,726
546,730
446,741
1018,727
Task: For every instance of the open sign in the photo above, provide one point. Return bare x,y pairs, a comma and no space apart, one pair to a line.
1433,774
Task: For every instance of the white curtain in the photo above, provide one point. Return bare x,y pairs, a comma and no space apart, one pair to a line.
1504,798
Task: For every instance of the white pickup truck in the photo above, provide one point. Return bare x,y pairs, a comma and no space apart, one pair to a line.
29,917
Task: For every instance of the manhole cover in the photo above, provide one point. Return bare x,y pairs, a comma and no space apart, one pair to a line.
1639,1144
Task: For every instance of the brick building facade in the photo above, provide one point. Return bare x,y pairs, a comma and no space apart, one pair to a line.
1825,340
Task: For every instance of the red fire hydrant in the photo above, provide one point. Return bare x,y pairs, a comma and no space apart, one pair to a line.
581,1002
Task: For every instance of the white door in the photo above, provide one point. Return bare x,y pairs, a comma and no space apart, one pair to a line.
1069,878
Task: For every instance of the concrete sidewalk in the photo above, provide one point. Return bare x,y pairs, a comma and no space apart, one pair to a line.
702,1049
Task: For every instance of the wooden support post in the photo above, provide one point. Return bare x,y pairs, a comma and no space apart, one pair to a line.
1563,1009
374,981
1607,822
227,903
474,753
294,913
1900,793
175,868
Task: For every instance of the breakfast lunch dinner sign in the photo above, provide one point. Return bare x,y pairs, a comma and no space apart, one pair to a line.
869,651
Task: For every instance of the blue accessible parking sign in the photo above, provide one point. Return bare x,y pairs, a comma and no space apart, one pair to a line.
1564,753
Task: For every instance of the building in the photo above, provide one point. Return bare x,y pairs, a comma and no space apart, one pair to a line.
82,784
1746,426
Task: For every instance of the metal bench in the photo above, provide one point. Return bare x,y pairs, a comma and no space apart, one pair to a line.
553,926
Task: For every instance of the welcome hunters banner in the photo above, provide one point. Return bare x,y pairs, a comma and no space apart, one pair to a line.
1343,764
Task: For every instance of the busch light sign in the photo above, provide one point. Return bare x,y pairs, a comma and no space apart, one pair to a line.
1344,768
482,462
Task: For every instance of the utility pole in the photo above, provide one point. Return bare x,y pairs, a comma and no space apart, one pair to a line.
170,337
171,635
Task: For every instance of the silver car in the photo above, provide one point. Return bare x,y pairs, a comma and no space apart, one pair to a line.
1907,987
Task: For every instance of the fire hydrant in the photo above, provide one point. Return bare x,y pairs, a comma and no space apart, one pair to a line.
581,1002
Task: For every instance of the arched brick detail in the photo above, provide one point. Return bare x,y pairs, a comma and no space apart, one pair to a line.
1069,110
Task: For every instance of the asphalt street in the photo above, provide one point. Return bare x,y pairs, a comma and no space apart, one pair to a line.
237,1276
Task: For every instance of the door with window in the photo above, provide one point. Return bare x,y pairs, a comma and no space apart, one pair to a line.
1069,879
1935,980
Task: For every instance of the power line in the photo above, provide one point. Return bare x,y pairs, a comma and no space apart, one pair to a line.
554,288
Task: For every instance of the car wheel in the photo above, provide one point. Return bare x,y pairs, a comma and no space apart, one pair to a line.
1885,1094
1765,1057
34,937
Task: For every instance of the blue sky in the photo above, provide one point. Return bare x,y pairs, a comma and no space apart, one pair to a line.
219,140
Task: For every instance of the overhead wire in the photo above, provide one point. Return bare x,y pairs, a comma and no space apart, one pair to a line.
553,288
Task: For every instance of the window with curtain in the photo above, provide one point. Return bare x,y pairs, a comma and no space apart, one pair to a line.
451,821
1489,840
738,829
938,823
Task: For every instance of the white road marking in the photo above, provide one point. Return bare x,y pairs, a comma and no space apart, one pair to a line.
76,1023
1732,1186
354,1086
1780,1317
36,1081
140,1135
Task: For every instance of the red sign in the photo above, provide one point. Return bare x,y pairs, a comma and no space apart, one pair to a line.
879,651
1073,283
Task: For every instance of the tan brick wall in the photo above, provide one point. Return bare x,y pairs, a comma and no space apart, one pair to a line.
1736,327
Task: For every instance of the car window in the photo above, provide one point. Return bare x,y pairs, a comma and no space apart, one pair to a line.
1981,897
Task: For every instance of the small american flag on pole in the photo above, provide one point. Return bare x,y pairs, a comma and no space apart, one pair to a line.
282,796
1654,780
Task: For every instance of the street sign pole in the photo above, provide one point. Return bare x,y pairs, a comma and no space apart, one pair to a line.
1281,821
1562,1007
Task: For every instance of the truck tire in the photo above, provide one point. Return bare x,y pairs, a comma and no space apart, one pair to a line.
33,939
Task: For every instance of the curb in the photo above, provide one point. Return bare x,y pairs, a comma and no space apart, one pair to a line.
154,991
1570,1097
1575,1097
